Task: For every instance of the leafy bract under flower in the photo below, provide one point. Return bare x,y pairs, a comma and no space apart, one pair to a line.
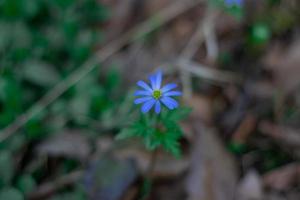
155,94
165,132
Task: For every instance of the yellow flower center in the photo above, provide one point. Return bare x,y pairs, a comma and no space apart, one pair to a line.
156,94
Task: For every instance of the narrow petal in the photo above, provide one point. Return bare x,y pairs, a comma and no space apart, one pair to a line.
168,87
144,85
157,107
142,100
172,93
142,93
148,105
169,102
155,80
152,79
158,80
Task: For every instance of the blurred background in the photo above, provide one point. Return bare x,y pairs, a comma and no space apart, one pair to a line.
67,72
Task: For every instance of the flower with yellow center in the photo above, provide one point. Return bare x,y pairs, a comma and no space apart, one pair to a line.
154,95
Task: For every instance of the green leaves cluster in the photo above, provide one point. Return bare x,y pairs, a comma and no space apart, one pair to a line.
41,43
158,130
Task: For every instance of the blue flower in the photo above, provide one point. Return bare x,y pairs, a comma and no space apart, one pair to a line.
155,95
234,2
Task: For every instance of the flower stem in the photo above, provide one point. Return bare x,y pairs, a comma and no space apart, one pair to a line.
147,185
152,163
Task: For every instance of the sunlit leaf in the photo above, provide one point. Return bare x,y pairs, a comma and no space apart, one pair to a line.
41,73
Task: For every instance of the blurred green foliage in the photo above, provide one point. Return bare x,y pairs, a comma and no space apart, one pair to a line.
41,43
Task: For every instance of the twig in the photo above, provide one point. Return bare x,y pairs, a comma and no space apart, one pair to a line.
162,17
188,53
207,72
210,35
191,48
50,187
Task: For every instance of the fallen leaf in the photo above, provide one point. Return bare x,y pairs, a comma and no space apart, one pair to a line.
68,143
213,172
202,107
166,166
283,178
109,178
285,62
250,187
244,130
281,134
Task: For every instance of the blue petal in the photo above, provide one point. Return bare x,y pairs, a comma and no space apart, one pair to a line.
152,79
148,105
157,107
142,100
229,2
172,93
232,2
240,2
142,93
155,80
158,79
168,87
169,102
144,85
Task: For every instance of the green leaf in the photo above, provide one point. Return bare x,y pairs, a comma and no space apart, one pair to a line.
12,8
11,95
159,130
151,143
113,79
260,34
237,148
16,142
26,183
173,147
64,3
236,11
35,129
20,35
10,194
6,117
4,36
79,107
126,133
6,168
41,73
177,114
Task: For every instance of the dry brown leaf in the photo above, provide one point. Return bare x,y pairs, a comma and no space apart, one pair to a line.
68,143
202,107
120,20
166,165
282,134
261,89
285,65
250,187
153,6
245,128
213,173
283,178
